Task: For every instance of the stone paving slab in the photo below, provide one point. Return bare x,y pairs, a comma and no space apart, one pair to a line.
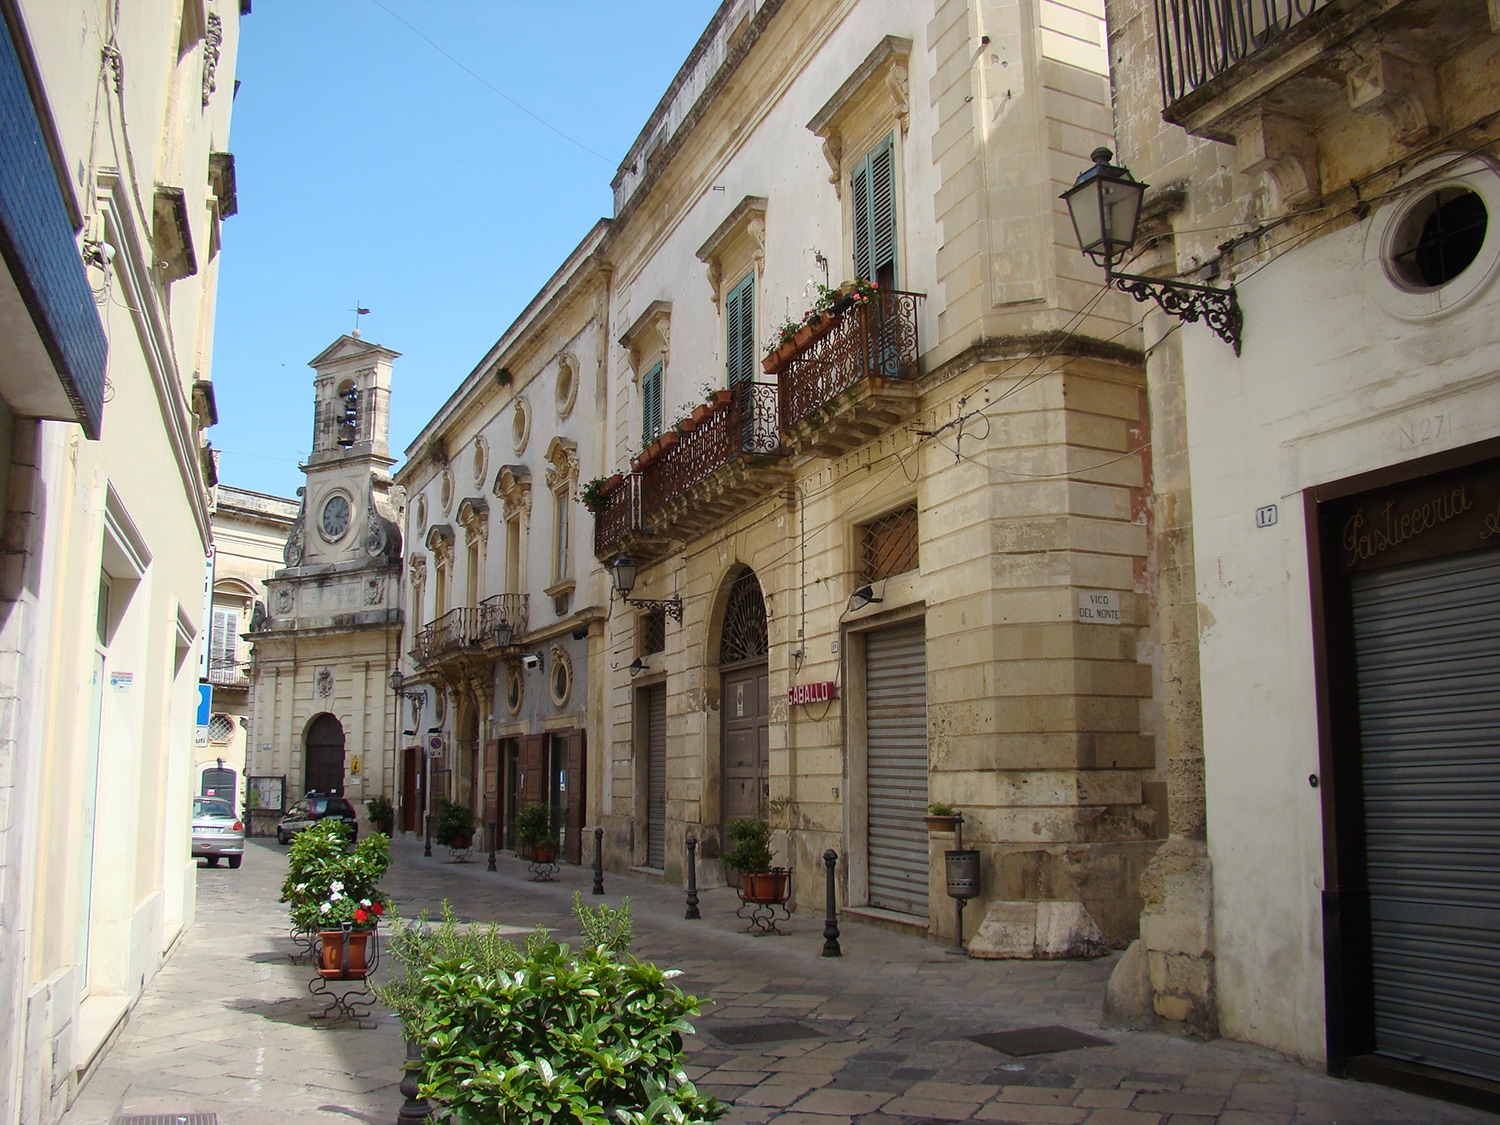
225,1025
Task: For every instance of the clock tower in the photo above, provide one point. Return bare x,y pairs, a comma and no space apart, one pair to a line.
328,642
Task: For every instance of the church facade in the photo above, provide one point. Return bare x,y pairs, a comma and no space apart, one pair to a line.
322,712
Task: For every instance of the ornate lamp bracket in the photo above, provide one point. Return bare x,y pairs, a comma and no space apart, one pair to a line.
1219,309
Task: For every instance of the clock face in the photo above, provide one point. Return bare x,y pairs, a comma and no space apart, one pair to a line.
335,517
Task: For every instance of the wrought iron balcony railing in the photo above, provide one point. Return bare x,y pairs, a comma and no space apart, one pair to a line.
875,339
229,673
456,630
697,478
1198,40
512,609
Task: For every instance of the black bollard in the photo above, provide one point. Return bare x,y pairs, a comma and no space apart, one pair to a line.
415,1110
692,888
598,861
831,923
492,845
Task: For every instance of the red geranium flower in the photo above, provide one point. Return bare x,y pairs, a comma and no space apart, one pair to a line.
361,915
379,910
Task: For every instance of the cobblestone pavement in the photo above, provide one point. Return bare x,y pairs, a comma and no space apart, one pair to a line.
883,1030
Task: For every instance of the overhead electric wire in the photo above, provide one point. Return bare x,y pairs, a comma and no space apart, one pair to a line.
487,84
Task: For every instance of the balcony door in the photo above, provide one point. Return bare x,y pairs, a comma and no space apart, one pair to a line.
744,707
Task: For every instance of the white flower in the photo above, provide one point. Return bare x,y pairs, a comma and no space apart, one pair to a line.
325,908
336,885
301,887
365,903
335,897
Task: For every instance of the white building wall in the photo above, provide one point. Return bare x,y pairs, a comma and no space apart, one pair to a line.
1330,384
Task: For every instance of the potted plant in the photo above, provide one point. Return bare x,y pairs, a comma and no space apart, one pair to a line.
534,829
455,826
592,495
751,858
382,814
337,895
942,817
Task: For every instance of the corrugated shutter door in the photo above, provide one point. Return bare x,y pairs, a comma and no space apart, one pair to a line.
1427,648
896,736
656,775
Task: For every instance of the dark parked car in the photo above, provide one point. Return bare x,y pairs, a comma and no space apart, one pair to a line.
313,808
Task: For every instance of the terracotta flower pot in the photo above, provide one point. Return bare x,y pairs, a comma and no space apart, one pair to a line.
545,852
331,955
941,823
700,413
612,485
765,887
724,397
667,441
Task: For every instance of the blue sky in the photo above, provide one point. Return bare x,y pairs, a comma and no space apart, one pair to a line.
373,169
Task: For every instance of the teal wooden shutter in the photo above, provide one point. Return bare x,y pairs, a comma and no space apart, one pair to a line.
873,192
651,405
739,319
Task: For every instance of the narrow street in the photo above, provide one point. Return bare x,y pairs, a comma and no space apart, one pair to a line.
882,1034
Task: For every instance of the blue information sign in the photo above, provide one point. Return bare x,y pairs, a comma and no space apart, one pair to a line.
205,703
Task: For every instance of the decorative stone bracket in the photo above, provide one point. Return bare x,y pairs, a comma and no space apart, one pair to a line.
1402,90
884,69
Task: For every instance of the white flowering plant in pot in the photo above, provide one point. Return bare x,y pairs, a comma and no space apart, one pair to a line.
329,883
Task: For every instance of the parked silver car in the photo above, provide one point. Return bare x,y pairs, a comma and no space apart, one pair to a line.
217,832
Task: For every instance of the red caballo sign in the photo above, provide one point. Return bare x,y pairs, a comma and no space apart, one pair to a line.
811,693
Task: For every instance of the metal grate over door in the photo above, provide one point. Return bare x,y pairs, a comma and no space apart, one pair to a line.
1427,650
896,736
656,775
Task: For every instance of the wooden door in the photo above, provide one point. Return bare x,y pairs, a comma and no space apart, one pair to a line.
745,705
574,810
411,789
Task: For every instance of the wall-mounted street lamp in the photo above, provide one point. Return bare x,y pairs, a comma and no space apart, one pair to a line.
637,666
504,633
863,596
624,572
1105,205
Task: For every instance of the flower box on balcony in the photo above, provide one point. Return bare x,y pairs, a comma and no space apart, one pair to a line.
777,361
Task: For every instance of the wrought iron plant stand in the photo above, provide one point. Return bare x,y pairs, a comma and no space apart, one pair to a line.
344,981
763,902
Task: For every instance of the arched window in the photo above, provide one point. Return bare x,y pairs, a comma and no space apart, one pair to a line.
744,636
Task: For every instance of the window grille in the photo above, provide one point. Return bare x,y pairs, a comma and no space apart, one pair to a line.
888,545
220,728
744,635
653,632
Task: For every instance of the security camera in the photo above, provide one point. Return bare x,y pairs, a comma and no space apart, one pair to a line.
531,660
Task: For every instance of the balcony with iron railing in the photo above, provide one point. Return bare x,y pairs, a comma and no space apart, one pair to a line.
470,630
232,674
856,380
730,459
1251,72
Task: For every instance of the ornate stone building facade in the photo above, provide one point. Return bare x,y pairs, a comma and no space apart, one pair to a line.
1329,890
501,649
322,713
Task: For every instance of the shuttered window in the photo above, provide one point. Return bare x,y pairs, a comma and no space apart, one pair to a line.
873,193
739,318
224,640
651,405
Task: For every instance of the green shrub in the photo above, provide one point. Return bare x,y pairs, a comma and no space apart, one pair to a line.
941,808
380,810
752,846
534,825
454,822
586,1038
604,925
417,945
328,883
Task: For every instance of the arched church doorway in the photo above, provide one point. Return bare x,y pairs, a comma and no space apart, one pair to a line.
324,764
745,700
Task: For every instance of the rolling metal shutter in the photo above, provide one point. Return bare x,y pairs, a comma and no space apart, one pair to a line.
896,735
656,775
1427,648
